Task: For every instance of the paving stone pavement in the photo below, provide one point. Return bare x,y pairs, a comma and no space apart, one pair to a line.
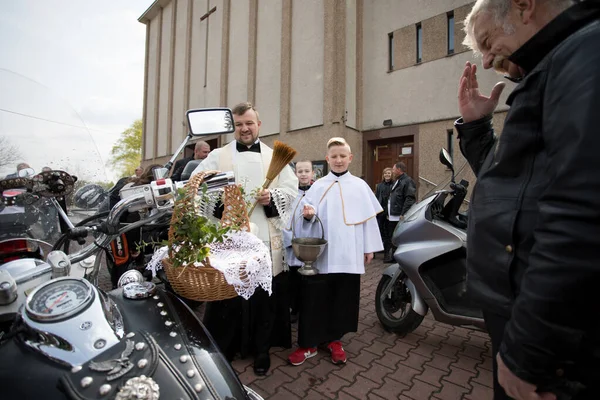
436,361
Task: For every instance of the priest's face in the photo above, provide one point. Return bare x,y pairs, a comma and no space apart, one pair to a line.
304,172
339,158
247,127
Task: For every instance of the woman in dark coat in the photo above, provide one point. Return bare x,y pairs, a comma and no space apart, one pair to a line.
382,192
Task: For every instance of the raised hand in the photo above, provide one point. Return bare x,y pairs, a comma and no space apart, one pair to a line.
472,105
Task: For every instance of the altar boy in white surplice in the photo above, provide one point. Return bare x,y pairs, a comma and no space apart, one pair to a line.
253,326
330,300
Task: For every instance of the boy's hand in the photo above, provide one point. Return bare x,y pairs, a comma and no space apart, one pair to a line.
368,258
264,197
308,211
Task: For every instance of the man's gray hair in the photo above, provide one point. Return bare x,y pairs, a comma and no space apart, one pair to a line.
499,9
200,144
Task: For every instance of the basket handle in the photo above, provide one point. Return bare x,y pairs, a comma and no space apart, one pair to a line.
318,219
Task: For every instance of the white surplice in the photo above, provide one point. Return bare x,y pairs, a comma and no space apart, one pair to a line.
297,219
250,170
347,207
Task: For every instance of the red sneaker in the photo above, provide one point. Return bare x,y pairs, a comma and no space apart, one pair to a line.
300,355
338,355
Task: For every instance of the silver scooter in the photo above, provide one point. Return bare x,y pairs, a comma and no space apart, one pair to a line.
431,264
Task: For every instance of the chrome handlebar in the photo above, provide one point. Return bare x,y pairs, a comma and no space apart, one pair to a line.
161,198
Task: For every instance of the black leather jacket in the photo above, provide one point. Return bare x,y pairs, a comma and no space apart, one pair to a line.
382,192
534,223
402,196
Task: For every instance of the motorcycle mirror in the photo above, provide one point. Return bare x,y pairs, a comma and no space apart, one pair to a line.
25,172
210,121
160,173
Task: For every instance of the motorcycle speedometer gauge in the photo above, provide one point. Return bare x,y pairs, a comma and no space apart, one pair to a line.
59,299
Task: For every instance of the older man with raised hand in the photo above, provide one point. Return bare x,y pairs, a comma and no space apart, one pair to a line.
534,226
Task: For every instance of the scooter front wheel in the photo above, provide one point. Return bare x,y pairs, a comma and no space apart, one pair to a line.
394,311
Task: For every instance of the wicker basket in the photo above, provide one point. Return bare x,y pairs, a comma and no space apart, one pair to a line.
204,283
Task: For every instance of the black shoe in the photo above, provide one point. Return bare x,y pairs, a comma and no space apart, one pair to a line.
389,261
262,363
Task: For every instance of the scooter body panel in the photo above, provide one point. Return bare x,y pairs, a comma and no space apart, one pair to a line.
422,243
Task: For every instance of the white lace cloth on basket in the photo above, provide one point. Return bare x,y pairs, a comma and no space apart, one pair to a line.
237,249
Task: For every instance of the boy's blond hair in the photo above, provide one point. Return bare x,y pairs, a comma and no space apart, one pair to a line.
338,141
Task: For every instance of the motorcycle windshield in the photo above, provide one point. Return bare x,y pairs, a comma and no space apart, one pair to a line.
39,131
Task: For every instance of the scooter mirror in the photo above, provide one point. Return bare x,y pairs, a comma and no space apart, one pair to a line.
446,159
210,121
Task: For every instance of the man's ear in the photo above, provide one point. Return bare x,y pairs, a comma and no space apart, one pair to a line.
525,9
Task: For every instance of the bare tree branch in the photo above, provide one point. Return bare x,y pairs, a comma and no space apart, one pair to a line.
9,154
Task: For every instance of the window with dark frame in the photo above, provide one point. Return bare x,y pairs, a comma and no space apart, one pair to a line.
450,143
391,51
450,32
419,43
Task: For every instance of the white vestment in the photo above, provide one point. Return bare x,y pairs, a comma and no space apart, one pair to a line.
250,170
347,207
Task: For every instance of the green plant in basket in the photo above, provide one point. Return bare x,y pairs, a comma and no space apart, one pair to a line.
192,233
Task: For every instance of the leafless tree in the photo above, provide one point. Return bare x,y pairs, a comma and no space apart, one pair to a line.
9,154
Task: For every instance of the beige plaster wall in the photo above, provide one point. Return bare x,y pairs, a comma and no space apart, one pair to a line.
459,34
164,81
239,26
351,65
179,126
306,94
268,71
198,56
419,93
215,36
405,47
151,78
311,144
432,137
435,37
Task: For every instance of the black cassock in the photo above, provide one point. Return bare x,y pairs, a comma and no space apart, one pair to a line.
329,307
252,326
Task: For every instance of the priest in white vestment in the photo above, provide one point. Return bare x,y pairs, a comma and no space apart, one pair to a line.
255,325
347,208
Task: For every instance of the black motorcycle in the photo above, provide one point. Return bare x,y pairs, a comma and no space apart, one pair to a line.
62,337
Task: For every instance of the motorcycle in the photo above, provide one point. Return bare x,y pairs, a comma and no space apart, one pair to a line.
73,340
430,268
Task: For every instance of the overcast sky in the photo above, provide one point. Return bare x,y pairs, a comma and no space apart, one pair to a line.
89,54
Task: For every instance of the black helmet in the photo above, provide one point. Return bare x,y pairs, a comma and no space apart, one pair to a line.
89,196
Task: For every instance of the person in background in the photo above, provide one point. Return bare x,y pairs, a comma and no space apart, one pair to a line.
201,150
20,166
382,192
402,197
304,172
